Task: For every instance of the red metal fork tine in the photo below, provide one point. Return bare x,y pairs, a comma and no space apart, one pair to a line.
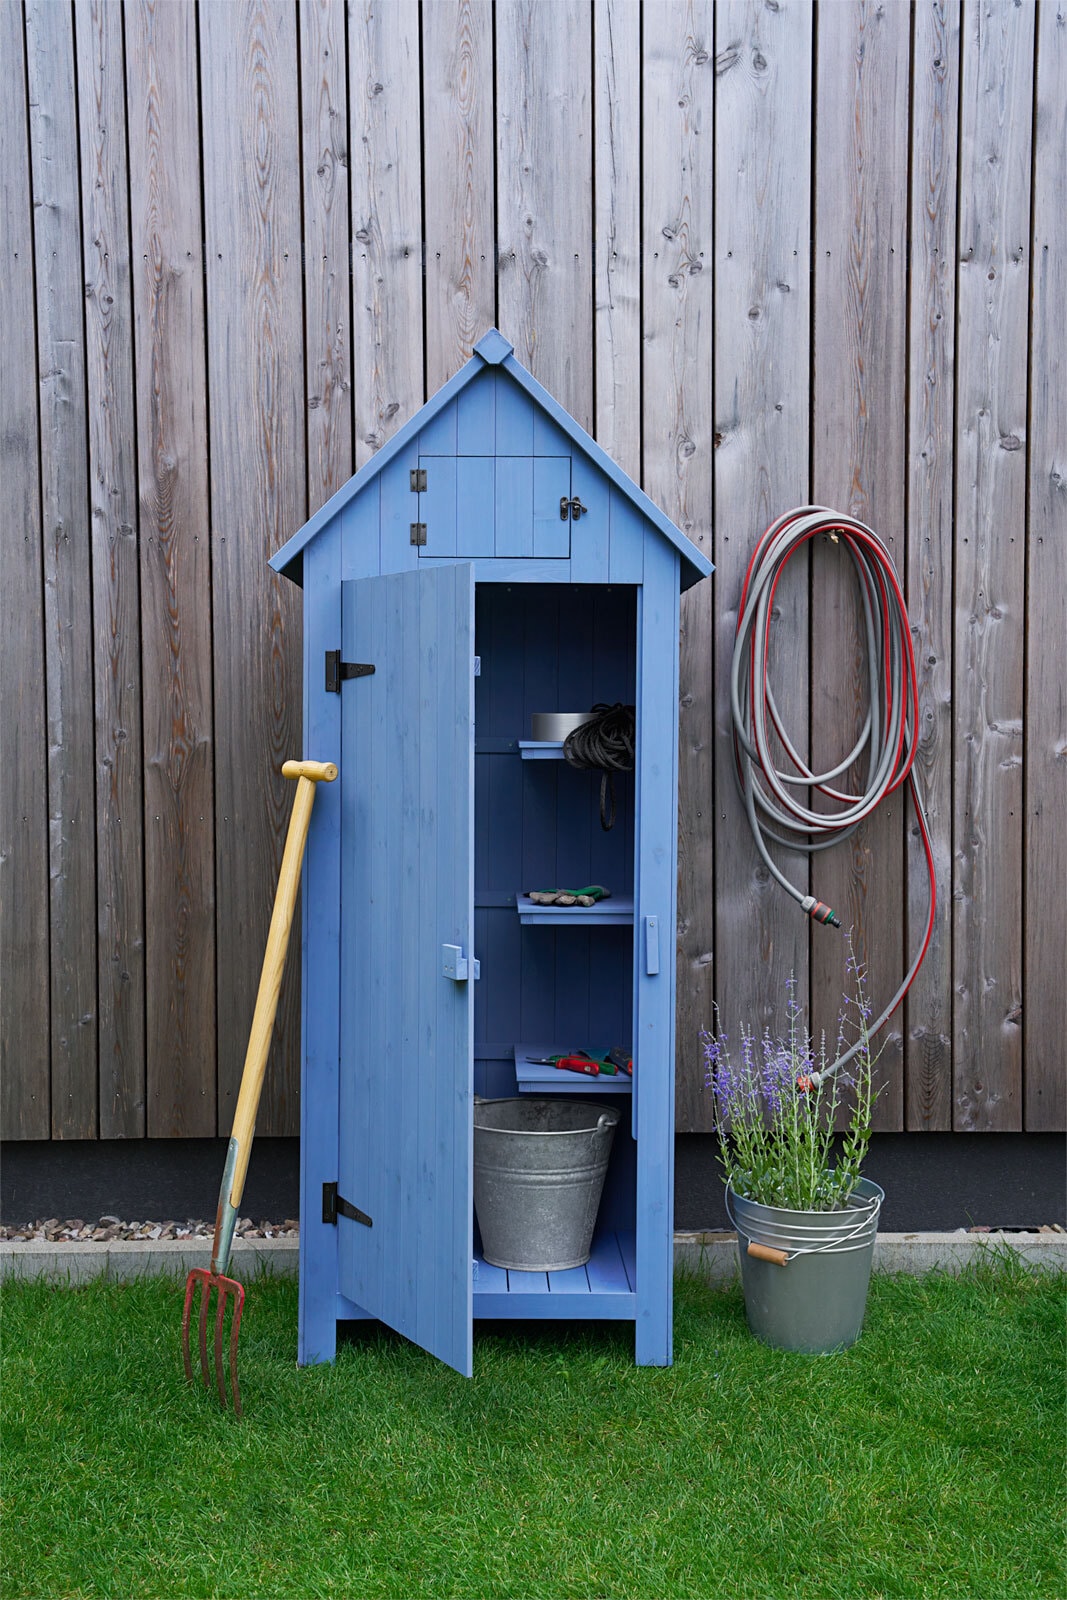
220,1379
205,1297
235,1328
190,1288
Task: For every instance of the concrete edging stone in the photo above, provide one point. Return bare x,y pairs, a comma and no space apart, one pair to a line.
711,1256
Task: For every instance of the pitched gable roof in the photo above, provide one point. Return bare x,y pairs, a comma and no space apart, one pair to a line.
492,349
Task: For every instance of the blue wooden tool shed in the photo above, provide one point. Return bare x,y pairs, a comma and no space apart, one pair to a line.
490,562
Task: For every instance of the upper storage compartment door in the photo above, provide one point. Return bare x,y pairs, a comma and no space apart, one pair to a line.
504,506
407,893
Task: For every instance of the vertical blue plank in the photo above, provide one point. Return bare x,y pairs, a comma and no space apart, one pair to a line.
417,675
432,1261
438,437
589,537
657,850
475,506
628,534
549,438
399,509
476,416
437,506
514,506
317,1324
360,550
514,419
551,483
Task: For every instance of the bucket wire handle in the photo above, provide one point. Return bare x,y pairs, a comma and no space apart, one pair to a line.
782,1258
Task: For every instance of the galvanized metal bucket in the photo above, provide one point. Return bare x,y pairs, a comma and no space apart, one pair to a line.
805,1273
539,1168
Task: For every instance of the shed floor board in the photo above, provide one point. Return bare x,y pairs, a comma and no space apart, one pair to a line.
604,1287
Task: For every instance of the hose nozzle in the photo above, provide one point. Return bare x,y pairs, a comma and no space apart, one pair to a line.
819,912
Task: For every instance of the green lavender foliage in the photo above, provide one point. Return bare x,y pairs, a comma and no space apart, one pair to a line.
776,1109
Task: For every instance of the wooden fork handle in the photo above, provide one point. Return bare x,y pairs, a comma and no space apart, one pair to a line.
317,771
309,774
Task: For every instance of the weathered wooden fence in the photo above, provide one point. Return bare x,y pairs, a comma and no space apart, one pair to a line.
767,252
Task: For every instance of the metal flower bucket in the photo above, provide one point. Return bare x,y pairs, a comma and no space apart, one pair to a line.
805,1273
539,1168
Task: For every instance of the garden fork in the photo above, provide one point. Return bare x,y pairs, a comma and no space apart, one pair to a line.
308,774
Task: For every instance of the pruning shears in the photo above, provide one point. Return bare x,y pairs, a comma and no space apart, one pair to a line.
615,1061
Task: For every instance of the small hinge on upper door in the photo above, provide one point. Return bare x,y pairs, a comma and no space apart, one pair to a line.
418,533
418,480
337,670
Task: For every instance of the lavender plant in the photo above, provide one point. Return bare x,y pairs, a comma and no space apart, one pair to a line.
775,1108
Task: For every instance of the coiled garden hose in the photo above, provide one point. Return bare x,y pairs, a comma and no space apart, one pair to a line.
605,742
775,809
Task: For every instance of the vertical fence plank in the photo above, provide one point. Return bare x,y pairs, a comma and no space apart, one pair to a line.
457,86
617,286
116,582
255,385
544,177
67,573
992,313
931,352
678,162
860,360
172,457
385,141
1045,838
763,117
327,300
24,989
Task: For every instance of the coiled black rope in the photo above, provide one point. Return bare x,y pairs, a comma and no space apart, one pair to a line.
606,742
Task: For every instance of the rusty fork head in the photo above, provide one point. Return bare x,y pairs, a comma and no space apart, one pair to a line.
228,1291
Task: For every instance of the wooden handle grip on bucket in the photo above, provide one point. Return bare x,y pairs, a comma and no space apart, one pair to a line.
763,1252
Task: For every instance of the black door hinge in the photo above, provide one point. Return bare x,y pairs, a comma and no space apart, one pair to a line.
571,508
337,670
333,1206
417,479
418,533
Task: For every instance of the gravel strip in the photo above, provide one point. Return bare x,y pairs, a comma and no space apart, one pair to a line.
75,1230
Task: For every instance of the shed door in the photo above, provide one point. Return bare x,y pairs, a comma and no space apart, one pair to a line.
407,907
501,506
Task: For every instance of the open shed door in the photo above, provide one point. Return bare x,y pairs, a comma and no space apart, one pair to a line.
407,914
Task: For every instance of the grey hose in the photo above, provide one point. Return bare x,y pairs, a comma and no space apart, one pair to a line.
775,812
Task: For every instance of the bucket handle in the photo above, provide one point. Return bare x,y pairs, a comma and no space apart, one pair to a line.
782,1258
763,1252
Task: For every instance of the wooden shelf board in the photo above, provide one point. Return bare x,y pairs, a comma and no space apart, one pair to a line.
617,912
541,749
533,1078
604,1287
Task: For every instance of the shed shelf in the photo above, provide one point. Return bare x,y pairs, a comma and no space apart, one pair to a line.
532,1077
617,912
541,749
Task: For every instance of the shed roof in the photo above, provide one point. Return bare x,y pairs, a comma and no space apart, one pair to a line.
492,349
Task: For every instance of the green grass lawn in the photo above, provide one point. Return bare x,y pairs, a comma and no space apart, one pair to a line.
926,1461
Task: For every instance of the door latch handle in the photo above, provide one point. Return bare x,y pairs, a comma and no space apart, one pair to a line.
454,964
